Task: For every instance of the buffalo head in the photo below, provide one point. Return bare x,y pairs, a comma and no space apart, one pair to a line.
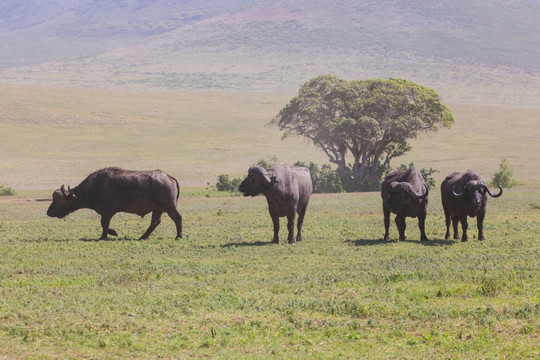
257,181
62,203
474,192
401,193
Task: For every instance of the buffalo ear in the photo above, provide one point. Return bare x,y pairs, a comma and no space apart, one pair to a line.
71,195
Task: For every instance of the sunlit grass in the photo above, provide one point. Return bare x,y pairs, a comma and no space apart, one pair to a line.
224,291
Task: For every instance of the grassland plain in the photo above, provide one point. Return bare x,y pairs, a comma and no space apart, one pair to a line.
225,292
52,136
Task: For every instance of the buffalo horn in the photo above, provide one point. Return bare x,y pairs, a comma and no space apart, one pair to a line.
410,190
490,193
262,173
456,194
63,190
425,195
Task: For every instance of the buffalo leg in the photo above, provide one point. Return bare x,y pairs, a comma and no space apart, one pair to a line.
422,226
290,226
401,225
177,218
156,220
448,220
300,222
455,223
464,226
105,221
386,225
480,224
275,222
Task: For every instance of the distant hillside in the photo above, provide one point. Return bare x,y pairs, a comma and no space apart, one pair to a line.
37,30
468,50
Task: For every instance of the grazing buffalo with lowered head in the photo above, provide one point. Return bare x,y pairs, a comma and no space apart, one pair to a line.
287,190
405,194
112,190
465,194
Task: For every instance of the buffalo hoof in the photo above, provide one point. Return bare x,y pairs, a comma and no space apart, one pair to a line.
424,239
112,232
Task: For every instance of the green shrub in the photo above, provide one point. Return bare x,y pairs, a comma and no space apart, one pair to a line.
325,180
6,191
224,183
268,161
503,177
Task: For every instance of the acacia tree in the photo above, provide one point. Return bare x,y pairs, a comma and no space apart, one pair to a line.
372,120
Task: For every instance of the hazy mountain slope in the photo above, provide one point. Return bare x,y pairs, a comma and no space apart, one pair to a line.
32,31
494,32
468,50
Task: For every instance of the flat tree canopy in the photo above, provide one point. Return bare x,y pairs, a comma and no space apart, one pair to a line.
370,119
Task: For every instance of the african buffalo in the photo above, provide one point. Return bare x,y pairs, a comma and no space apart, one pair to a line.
112,190
465,194
287,190
401,195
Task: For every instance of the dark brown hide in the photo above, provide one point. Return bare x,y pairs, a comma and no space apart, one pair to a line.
287,191
404,193
112,190
465,194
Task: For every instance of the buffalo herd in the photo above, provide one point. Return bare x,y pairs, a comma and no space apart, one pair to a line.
287,190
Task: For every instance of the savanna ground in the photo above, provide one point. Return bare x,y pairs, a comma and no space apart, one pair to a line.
224,291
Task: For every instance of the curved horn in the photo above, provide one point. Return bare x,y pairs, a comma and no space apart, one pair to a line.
407,186
490,193
420,197
456,194
63,190
259,171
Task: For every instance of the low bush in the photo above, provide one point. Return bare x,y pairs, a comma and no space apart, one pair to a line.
503,177
224,183
6,191
325,179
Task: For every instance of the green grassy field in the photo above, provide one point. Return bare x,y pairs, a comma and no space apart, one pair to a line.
225,292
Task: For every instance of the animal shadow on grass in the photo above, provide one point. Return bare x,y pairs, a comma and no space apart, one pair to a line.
372,242
433,242
123,238
367,242
246,243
